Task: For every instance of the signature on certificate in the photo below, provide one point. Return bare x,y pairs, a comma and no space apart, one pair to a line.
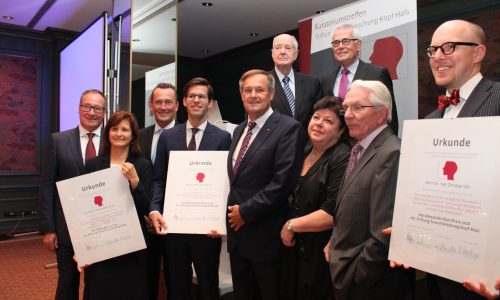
442,245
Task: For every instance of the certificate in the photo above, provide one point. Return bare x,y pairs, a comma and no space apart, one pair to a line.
101,215
447,208
196,192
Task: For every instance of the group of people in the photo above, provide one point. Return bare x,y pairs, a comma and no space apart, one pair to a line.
312,175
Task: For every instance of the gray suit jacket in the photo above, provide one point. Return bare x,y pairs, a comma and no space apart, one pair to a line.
484,101
307,92
365,71
364,207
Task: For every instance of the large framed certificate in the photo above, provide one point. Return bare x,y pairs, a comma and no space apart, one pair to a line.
447,209
196,192
101,215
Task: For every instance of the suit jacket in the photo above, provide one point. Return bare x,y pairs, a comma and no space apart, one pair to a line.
64,160
307,92
483,101
364,207
266,176
175,139
365,71
146,139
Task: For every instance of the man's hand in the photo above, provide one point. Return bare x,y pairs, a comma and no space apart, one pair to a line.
482,290
326,251
214,234
50,240
287,236
158,223
235,219
393,263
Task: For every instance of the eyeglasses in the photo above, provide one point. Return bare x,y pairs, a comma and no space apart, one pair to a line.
202,97
345,42
354,108
97,109
159,102
446,48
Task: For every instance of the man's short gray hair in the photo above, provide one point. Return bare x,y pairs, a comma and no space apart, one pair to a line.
379,94
294,40
355,32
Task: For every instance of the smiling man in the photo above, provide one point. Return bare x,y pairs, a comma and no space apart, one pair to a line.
346,47
297,92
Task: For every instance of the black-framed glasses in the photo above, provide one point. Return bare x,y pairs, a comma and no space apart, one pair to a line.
345,42
354,108
446,48
202,97
97,109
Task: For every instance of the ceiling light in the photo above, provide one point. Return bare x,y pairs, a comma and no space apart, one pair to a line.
207,4
8,18
254,34
205,50
320,12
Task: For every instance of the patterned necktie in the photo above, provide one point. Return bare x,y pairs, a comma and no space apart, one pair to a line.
90,150
344,83
289,94
353,159
192,142
244,146
445,101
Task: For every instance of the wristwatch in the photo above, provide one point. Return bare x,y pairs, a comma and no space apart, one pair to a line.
289,226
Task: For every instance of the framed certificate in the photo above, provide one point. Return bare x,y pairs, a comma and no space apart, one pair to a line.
196,192
446,214
101,215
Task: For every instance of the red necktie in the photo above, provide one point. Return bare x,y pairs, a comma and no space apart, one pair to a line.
192,142
244,146
344,83
445,101
90,150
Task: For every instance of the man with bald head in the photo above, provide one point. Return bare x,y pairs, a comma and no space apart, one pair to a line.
296,92
455,55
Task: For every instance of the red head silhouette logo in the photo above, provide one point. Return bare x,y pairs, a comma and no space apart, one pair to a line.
449,169
98,200
200,177
387,52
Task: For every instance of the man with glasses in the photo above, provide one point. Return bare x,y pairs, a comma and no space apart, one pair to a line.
66,155
346,46
296,92
163,105
180,250
358,249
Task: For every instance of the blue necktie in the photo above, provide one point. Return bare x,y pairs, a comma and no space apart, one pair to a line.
289,94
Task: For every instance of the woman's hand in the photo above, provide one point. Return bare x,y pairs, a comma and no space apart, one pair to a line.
287,236
128,170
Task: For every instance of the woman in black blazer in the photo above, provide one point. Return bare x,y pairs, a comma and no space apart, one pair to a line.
125,276
306,273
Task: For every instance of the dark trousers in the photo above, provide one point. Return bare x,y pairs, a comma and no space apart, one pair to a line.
200,250
68,281
393,286
154,257
444,289
254,280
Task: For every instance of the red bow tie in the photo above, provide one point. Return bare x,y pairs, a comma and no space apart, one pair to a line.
445,101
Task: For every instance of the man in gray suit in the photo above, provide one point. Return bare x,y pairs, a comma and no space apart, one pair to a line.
365,202
455,56
65,159
296,92
346,47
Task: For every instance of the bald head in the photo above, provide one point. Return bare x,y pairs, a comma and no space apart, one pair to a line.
473,32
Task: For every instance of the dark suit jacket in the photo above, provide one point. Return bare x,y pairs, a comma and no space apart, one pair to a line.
175,139
484,101
146,139
64,160
364,207
266,176
365,71
307,92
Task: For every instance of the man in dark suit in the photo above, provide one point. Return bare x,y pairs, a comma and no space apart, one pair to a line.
264,163
457,66
346,46
365,202
65,159
183,249
296,92
163,105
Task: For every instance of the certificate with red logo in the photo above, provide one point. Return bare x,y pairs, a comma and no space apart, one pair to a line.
101,215
196,192
446,215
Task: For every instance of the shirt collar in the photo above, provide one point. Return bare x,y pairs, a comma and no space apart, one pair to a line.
468,87
201,127
352,68
170,125
369,138
260,121
84,131
281,75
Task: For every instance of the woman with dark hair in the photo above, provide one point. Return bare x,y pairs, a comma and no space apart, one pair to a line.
306,274
125,276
